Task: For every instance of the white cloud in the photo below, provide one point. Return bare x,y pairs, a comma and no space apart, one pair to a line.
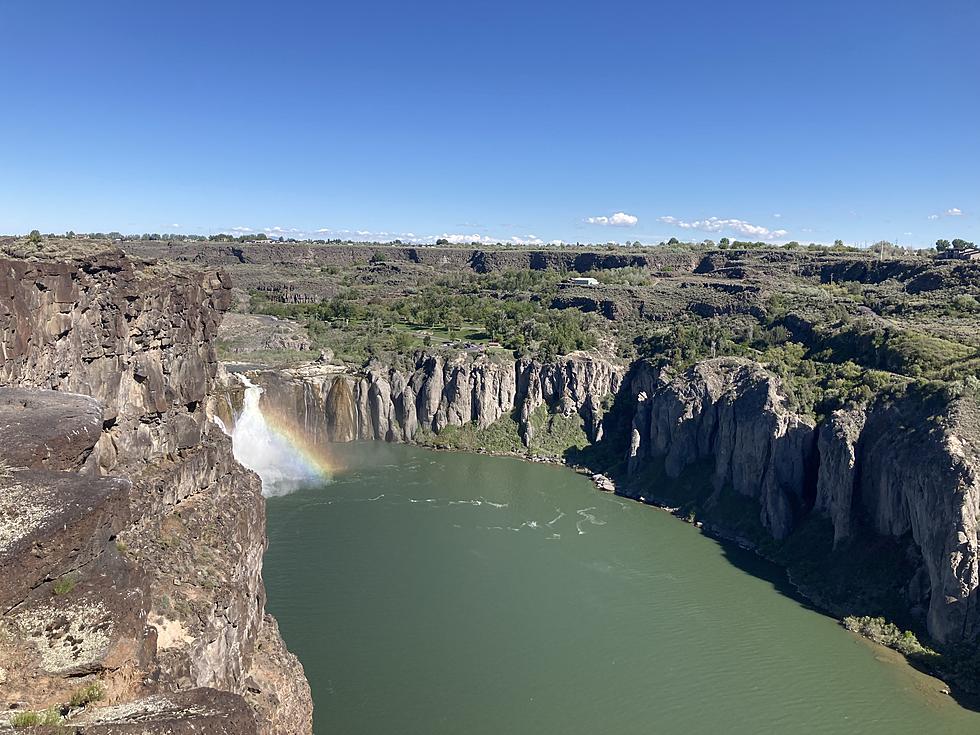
716,224
526,240
617,219
777,216
465,239
175,226
454,238
277,231
242,228
933,216
954,212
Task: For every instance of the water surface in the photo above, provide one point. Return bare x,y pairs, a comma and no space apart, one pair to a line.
451,593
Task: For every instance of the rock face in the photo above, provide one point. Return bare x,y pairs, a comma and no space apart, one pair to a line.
191,711
730,411
906,467
432,392
131,539
913,467
837,448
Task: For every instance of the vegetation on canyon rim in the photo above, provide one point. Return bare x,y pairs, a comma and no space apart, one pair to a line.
833,343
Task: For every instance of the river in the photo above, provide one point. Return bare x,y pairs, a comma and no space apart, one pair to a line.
432,592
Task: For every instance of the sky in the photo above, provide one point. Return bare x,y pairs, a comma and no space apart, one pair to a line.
526,121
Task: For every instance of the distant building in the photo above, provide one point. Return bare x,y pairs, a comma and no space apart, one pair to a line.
582,281
966,254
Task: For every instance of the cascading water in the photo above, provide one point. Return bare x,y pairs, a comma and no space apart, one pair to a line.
274,453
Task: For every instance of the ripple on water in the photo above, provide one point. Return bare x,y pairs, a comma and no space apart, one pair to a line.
499,596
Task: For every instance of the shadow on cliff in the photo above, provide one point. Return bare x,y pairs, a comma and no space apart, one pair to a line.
608,455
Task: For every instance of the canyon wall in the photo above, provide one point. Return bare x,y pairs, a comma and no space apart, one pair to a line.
429,392
900,467
454,258
732,412
133,538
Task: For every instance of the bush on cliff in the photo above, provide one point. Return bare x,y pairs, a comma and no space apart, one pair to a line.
888,634
46,718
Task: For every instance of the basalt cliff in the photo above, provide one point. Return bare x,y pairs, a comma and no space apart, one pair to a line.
427,393
903,472
905,469
130,538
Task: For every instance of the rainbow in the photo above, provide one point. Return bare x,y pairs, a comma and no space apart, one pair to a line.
315,456
276,449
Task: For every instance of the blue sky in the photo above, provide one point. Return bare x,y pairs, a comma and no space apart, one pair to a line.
525,120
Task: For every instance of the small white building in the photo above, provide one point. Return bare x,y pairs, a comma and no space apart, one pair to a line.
582,281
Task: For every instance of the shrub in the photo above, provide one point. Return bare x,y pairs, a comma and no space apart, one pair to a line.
887,634
64,585
87,694
965,302
48,717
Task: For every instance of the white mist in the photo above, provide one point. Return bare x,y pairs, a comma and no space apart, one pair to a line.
282,467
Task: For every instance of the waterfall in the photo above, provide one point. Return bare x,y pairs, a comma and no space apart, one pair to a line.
275,451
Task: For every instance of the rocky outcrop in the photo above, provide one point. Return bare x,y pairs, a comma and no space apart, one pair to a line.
912,467
907,467
132,540
178,713
731,412
837,477
395,403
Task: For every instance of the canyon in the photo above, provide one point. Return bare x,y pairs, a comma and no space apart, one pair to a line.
906,469
136,539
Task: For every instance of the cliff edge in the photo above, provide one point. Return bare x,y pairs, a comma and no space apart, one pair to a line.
132,538
902,469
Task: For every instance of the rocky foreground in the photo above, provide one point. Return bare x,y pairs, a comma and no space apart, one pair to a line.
130,538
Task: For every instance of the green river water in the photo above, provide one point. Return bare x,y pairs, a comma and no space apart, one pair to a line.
433,592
